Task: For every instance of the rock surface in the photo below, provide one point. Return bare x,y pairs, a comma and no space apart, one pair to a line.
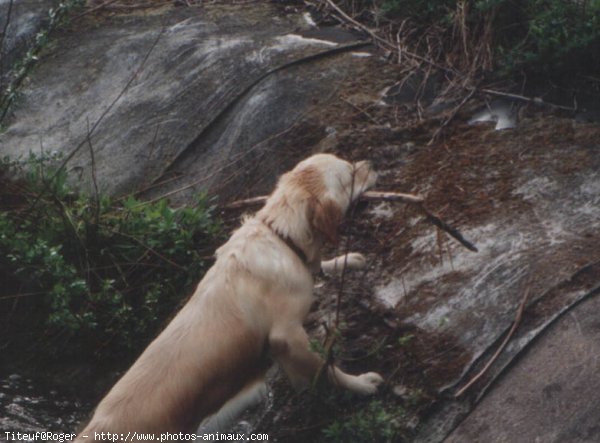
548,395
22,20
224,98
196,97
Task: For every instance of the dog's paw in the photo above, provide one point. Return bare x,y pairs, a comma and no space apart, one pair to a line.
368,383
355,260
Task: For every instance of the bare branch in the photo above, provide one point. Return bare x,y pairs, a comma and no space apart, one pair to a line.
91,130
94,180
332,333
535,100
451,117
516,322
5,30
2,39
95,8
382,41
451,230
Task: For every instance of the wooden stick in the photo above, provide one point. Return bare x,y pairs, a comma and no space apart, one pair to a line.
385,196
254,201
391,197
515,324
535,100
366,196
451,230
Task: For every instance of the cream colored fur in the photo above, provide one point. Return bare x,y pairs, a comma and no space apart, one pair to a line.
352,260
248,309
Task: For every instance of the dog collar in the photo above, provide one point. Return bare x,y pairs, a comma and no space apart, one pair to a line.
299,252
290,244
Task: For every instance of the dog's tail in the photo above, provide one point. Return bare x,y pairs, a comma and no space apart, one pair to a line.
252,394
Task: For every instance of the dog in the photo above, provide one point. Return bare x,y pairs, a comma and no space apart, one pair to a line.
247,311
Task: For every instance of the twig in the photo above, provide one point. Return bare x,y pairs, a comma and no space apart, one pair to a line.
3,37
150,249
360,110
149,187
101,118
238,96
95,8
120,6
4,99
455,233
254,201
451,117
22,294
535,100
20,73
331,333
383,41
208,175
94,181
515,324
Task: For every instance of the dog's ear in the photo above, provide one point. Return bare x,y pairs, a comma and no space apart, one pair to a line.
325,219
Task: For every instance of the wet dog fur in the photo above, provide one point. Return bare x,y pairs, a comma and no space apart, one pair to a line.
247,311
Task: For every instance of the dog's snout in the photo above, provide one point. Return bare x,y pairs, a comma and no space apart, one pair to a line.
367,167
365,176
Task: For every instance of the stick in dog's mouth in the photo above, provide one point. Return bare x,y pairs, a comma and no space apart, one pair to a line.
385,196
367,196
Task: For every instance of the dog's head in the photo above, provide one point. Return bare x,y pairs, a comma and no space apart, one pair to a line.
309,202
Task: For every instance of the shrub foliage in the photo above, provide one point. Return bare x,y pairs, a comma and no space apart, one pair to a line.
96,273
544,36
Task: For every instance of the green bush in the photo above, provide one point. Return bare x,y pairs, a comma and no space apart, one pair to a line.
95,272
374,423
420,11
561,31
547,36
57,17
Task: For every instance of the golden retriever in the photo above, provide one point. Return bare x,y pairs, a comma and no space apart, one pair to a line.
248,309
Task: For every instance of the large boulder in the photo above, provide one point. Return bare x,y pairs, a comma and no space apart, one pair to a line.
222,99
20,21
194,98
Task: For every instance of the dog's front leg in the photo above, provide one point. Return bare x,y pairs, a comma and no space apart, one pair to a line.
352,260
290,348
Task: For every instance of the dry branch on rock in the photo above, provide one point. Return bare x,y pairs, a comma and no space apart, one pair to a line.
515,325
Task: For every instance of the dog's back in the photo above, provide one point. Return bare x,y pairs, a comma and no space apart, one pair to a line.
249,306
208,353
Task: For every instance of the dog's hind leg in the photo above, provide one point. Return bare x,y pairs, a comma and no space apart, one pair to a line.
254,393
291,349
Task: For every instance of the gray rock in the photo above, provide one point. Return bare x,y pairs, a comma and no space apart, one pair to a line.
540,237
502,112
178,97
23,19
550,395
